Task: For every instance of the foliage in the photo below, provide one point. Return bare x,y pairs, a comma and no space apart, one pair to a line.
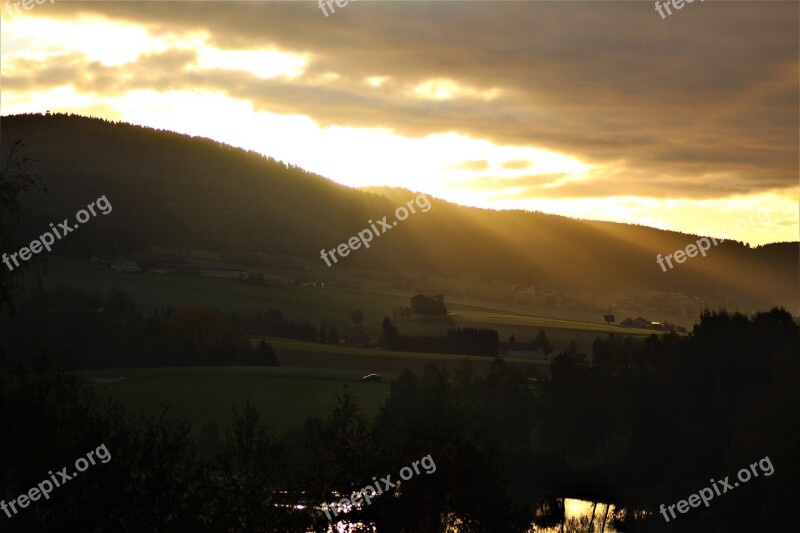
643,424
221,198
472,341
16,178
265,355
389,334
541,342
357,317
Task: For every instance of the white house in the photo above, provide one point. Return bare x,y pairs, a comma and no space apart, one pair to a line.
123,264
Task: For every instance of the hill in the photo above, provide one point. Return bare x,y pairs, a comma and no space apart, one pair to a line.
174,190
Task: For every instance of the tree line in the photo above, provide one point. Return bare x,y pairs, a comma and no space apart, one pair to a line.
97,331
460,340
644,423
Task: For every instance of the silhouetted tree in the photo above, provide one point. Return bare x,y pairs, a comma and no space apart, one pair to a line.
388,334
357,317
265,355
117,303
248,477
16,177
333,335
542,342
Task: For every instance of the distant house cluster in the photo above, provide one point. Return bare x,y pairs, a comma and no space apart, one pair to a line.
522,288
165,266
302,282
534,295
642,323
118,263
318,284
359,340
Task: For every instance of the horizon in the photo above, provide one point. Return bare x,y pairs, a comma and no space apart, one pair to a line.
551,125
369,187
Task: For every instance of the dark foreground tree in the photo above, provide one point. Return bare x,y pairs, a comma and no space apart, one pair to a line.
16,178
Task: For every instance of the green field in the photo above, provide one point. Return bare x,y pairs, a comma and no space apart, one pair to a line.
284,396
311,374
313,355
333,306
306,385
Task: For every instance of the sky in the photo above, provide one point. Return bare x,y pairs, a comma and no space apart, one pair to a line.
595,110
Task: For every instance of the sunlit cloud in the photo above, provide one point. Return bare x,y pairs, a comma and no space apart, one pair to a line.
263,64
444,89
109,43
472,165
376,81
517,164
58,99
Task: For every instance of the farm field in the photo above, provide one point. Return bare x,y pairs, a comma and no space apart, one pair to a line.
333,306
284,396
155,290
313,355
305,385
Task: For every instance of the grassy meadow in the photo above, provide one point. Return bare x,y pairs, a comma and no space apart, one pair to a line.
284,396
311,374
375,298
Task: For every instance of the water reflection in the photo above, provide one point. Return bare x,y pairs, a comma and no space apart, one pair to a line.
567,515
579,516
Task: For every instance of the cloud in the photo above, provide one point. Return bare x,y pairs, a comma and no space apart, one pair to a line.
472,165
674,110
517,164
530,183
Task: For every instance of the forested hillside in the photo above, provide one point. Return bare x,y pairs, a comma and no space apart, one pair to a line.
175,190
